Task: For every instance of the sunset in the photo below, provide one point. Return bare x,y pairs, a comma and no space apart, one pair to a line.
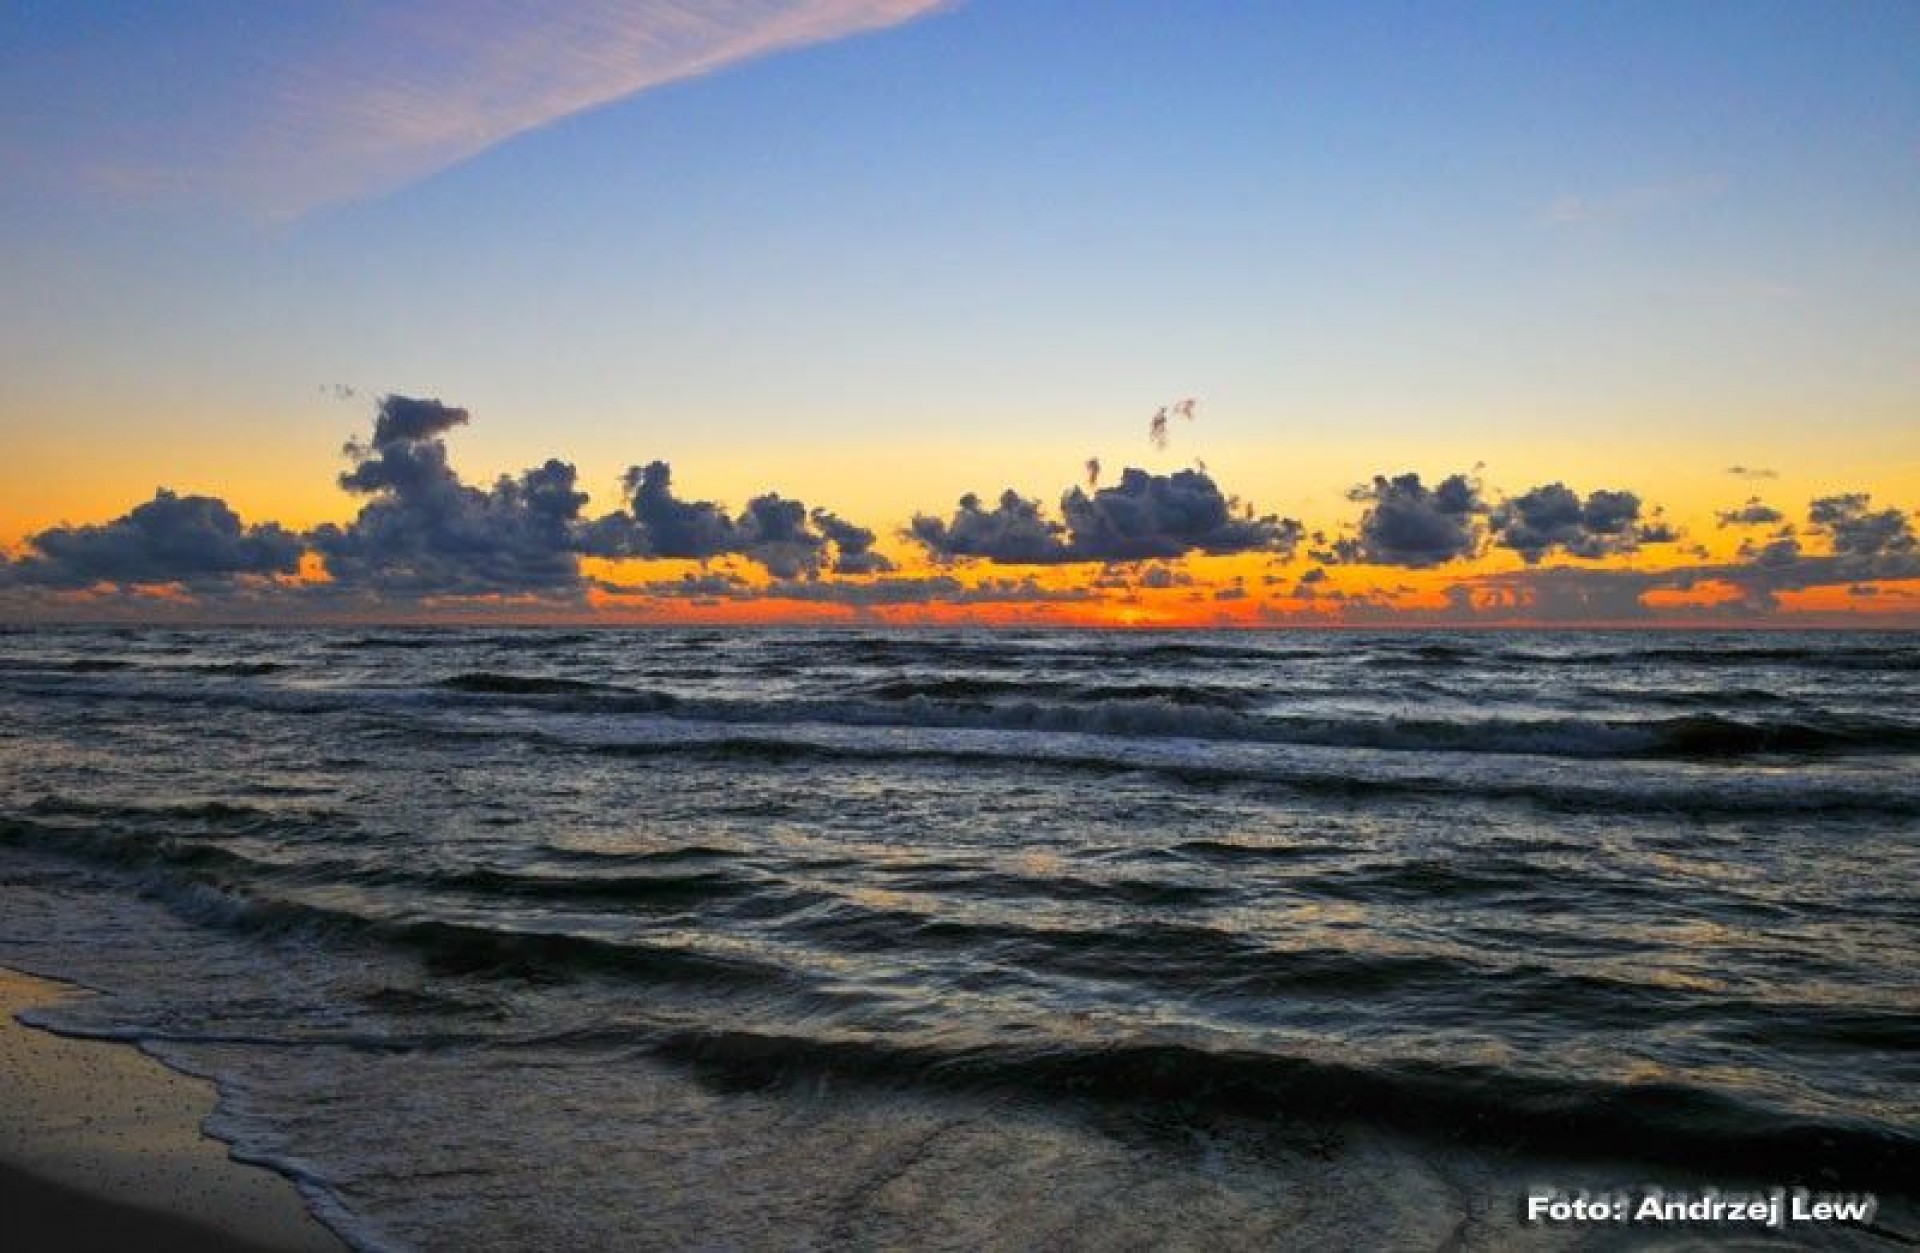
924,605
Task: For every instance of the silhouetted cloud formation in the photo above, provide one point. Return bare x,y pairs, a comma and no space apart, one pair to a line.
1142,517
1857,530
424,532
403,419
696,530
778,533
1864,544
1561,594
1012,532
1554,517
853,545
193,540
1409,524
1147,516
1752,472
1755,512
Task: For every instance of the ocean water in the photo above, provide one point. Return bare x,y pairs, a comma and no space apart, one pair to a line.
825,939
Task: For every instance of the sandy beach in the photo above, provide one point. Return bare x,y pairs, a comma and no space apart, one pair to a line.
101,1148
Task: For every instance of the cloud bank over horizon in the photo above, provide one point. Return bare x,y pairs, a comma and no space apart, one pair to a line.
423,538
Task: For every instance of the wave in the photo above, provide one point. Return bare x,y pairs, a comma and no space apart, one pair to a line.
610,696
1336,779
1217,713
1692,736
240,669
458,947
212,813
972,689
1721,655
1658,1121
486,681
666,891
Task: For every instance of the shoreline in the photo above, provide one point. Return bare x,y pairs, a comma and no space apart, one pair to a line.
101,1147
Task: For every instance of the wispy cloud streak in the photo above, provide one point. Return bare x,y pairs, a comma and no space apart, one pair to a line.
373,97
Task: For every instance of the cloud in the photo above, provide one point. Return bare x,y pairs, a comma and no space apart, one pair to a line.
1864,544
853,545
1409,524
931,589
1856,530
1143,517
1554,517
402,419
937,589
1567,594
778,533
197,541
424,532
353,100
1755,512
694,530
1147,516
1012,532
1752,472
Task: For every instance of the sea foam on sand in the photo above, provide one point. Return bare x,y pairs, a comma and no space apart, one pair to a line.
100,1145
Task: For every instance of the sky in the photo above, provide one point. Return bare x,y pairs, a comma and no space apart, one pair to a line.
1494,314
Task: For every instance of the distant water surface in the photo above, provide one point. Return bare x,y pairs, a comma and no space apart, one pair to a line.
973,939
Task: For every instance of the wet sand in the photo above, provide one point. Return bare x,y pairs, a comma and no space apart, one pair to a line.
101,1148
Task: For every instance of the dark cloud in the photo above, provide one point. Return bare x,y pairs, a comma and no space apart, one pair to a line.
1565,594
1779,552
1752,472
424,532
1857,530
778,533
1147,516
940,589
1410,524
427,533
193,540
697,530
1864,544
1143,517
853,545
1554,517
404,419
1012,532
1755,512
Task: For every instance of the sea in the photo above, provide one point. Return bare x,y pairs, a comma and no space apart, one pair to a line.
991,939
